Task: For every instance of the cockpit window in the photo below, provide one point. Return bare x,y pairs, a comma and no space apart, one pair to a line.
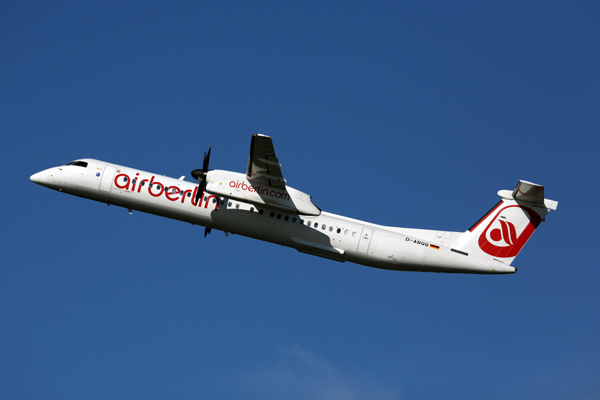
78,164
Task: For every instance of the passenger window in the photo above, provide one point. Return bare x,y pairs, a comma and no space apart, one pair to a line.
237,205
286,217
294,219
261,211
338,230
189,194
251,209
150,186
278,216
346,232
316,225
272,214
143,183
330,228
323,226
308,223
229,204
124,179
353,234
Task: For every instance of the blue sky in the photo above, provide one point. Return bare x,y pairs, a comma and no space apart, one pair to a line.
410,115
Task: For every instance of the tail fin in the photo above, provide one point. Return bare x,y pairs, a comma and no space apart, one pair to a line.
504,230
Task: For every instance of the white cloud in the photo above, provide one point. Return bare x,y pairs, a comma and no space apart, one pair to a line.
298,373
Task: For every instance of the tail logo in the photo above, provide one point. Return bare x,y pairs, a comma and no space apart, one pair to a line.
504,235
508,231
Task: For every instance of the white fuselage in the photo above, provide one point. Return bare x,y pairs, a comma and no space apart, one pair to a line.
325,234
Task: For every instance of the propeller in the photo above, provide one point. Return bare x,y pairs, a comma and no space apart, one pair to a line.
200,175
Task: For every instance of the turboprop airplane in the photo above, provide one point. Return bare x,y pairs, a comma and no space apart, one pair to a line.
259,204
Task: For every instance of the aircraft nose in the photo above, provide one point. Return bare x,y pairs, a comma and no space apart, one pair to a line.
36,178
41,178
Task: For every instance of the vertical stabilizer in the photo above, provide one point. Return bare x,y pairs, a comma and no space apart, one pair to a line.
504,230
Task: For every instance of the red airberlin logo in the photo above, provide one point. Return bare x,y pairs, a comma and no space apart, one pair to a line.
260,189
502,238
157,189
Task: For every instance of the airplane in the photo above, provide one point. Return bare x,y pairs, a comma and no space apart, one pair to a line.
259,204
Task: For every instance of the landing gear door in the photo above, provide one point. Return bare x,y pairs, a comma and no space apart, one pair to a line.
107,178
365,240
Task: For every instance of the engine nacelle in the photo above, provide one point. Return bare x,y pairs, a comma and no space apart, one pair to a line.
234,185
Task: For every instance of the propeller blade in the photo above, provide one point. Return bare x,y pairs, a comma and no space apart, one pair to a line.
200,191
206,160
200,176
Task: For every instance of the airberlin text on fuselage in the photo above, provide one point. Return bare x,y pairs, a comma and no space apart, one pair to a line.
157,189
259,189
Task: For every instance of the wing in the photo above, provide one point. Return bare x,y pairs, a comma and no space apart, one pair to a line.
263,166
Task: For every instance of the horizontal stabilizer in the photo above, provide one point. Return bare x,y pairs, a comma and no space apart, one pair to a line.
530,193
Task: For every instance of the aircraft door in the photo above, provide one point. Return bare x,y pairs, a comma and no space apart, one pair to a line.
365,240
107,178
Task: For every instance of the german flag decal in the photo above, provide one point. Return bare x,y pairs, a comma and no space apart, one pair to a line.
433,246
